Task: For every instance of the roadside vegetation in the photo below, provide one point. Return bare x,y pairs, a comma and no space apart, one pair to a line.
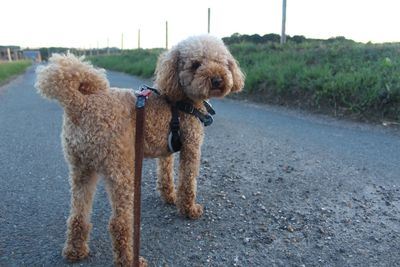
335,76
139,62
8,70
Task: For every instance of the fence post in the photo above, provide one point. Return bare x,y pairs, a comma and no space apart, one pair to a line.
166,34
9,54
138,41
209,15
122,42
283,35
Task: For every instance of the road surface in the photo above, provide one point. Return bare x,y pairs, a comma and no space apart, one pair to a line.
280,188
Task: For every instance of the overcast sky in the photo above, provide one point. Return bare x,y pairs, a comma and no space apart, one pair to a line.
90,23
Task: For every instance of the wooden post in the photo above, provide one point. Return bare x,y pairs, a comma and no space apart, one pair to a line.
283,35
9,54
108,46
138,40
122,42
209,15
166,35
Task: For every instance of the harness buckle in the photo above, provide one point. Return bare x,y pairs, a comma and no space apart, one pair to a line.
208,120
209,107
143,93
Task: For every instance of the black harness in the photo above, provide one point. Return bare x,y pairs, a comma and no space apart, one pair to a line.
174,137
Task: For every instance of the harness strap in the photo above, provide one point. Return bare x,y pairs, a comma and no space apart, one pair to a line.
174,137
206,119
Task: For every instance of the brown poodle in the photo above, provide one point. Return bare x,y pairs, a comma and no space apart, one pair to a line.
99,130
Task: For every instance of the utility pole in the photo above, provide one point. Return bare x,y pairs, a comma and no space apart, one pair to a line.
138,39
283,35
166,34
108,46
209,15
122,42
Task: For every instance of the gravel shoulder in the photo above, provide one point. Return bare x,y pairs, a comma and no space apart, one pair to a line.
280,188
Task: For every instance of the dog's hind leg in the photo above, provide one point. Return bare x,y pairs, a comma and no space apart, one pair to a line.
120,190
165,179
119,183
83,186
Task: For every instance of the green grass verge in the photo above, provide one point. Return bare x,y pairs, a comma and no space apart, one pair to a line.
340,77
343,76
139,62
11,69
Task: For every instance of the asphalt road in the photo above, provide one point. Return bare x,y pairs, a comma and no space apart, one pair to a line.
280,188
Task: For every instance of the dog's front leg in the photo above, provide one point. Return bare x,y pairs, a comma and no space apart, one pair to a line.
165,179
188,171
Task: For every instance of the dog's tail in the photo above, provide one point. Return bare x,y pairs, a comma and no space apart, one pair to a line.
68,79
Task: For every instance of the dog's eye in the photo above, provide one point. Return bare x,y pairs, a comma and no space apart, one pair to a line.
195,65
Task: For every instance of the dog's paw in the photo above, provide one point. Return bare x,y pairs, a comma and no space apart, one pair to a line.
169,198
142,262
193,212
75,254
123,262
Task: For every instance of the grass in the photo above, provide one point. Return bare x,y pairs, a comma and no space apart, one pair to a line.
139,62
335,76
8,70
342,77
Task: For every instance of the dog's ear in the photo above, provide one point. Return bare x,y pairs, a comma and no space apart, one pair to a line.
167,75
237,75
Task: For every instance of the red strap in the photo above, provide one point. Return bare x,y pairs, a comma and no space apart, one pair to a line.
143,92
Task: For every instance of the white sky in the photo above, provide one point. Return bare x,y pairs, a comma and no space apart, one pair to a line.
90,23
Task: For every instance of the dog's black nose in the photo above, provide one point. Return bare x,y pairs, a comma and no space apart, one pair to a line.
216,82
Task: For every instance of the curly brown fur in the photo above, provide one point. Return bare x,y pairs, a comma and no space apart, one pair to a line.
98,133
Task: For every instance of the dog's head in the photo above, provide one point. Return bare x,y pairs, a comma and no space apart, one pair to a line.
198,68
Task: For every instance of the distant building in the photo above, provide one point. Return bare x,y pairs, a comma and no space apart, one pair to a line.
34,55
8,53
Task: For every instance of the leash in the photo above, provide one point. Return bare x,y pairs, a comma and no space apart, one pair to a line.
174,145
141,96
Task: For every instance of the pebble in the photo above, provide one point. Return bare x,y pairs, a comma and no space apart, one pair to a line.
236,260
